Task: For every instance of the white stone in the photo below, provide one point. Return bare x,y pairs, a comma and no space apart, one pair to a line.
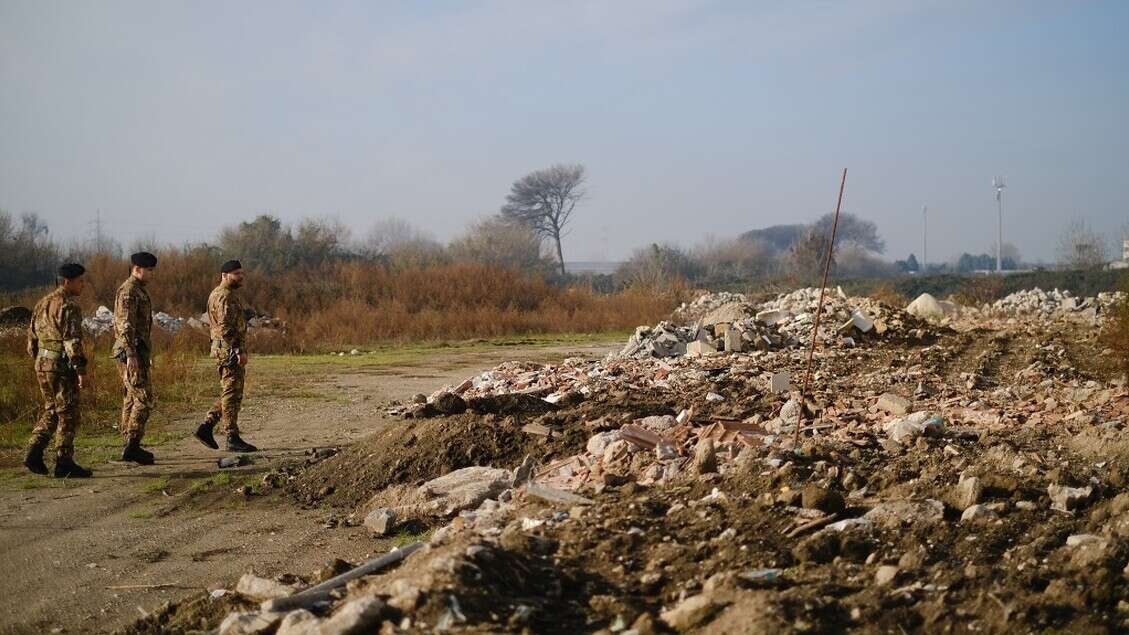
254,623
926,307
258,588
885,575
300,622
781,382
977,514
380,521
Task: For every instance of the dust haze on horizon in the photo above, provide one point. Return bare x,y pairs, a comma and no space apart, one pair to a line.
691,118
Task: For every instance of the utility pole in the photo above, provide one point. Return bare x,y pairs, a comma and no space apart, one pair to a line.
999,184
924,237
98,230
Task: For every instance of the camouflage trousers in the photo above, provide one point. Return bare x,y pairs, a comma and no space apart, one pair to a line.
138,400
225,411
60,412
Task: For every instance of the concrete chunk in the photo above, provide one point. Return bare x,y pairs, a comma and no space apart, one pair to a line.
894,404
258,588
780,383
554,495
698,348
380,521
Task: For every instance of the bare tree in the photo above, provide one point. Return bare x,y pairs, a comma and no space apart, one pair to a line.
544,200
389,234
1080,247
499,242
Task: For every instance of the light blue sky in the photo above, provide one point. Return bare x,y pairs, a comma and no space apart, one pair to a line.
693,118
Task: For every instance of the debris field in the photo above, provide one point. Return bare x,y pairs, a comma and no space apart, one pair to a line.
957,469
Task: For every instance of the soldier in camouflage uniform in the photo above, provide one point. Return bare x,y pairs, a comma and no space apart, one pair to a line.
133,322
229,348
54,340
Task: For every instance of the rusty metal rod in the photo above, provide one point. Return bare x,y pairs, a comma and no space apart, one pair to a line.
819,309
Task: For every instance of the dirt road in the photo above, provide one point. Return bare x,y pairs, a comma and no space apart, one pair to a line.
78,556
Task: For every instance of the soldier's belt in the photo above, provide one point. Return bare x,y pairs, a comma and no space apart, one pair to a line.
46,354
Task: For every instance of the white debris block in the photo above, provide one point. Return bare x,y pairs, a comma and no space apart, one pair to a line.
926,307
781,382
698,348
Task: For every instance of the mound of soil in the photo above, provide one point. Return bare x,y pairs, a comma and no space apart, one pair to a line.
412,451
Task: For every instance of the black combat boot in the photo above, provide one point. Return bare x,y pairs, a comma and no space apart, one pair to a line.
204,435
33,460
67,468
235,444
134,452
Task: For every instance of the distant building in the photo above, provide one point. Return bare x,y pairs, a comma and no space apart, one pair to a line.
1124,262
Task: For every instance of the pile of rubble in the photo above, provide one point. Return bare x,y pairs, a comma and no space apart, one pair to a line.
706,303
1050,303
728,322
968,483
103,322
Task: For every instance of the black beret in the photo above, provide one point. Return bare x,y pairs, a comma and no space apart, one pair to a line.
71,270
143,259
230,265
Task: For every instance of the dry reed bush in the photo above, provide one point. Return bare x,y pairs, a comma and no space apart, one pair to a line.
546,310
1116,335
980,291
886,294
179,377
366,303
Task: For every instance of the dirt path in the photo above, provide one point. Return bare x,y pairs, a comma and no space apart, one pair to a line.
64,546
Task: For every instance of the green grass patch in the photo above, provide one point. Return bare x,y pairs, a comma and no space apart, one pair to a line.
141,514
200,486
405,538
156,486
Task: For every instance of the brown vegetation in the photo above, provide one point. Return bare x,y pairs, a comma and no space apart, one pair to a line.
1116,336
177,369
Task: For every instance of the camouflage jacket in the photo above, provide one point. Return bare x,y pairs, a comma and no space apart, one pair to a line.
228,321
54,337
133,319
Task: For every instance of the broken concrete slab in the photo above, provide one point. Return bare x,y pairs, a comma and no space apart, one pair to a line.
733,341
1068,499
894,403
966,493
978,514
258,588
698,348
893,514
465,488
554,495
690,612
780,382
449,403
705,457
253,623
380,521
926,307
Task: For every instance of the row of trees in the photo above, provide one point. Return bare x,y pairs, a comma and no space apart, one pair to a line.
526,234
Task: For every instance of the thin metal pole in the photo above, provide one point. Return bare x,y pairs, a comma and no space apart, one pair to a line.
819,308
924,238
999,229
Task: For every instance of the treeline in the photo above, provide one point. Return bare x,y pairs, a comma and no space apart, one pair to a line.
394,284
792,253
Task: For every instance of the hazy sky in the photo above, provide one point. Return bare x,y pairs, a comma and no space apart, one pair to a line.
692,118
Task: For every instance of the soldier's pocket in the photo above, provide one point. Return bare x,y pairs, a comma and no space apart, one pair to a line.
137,377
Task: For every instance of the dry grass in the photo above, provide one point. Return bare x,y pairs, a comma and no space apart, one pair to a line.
887,294
1116,335
367,303
979,291
178,375
330,308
